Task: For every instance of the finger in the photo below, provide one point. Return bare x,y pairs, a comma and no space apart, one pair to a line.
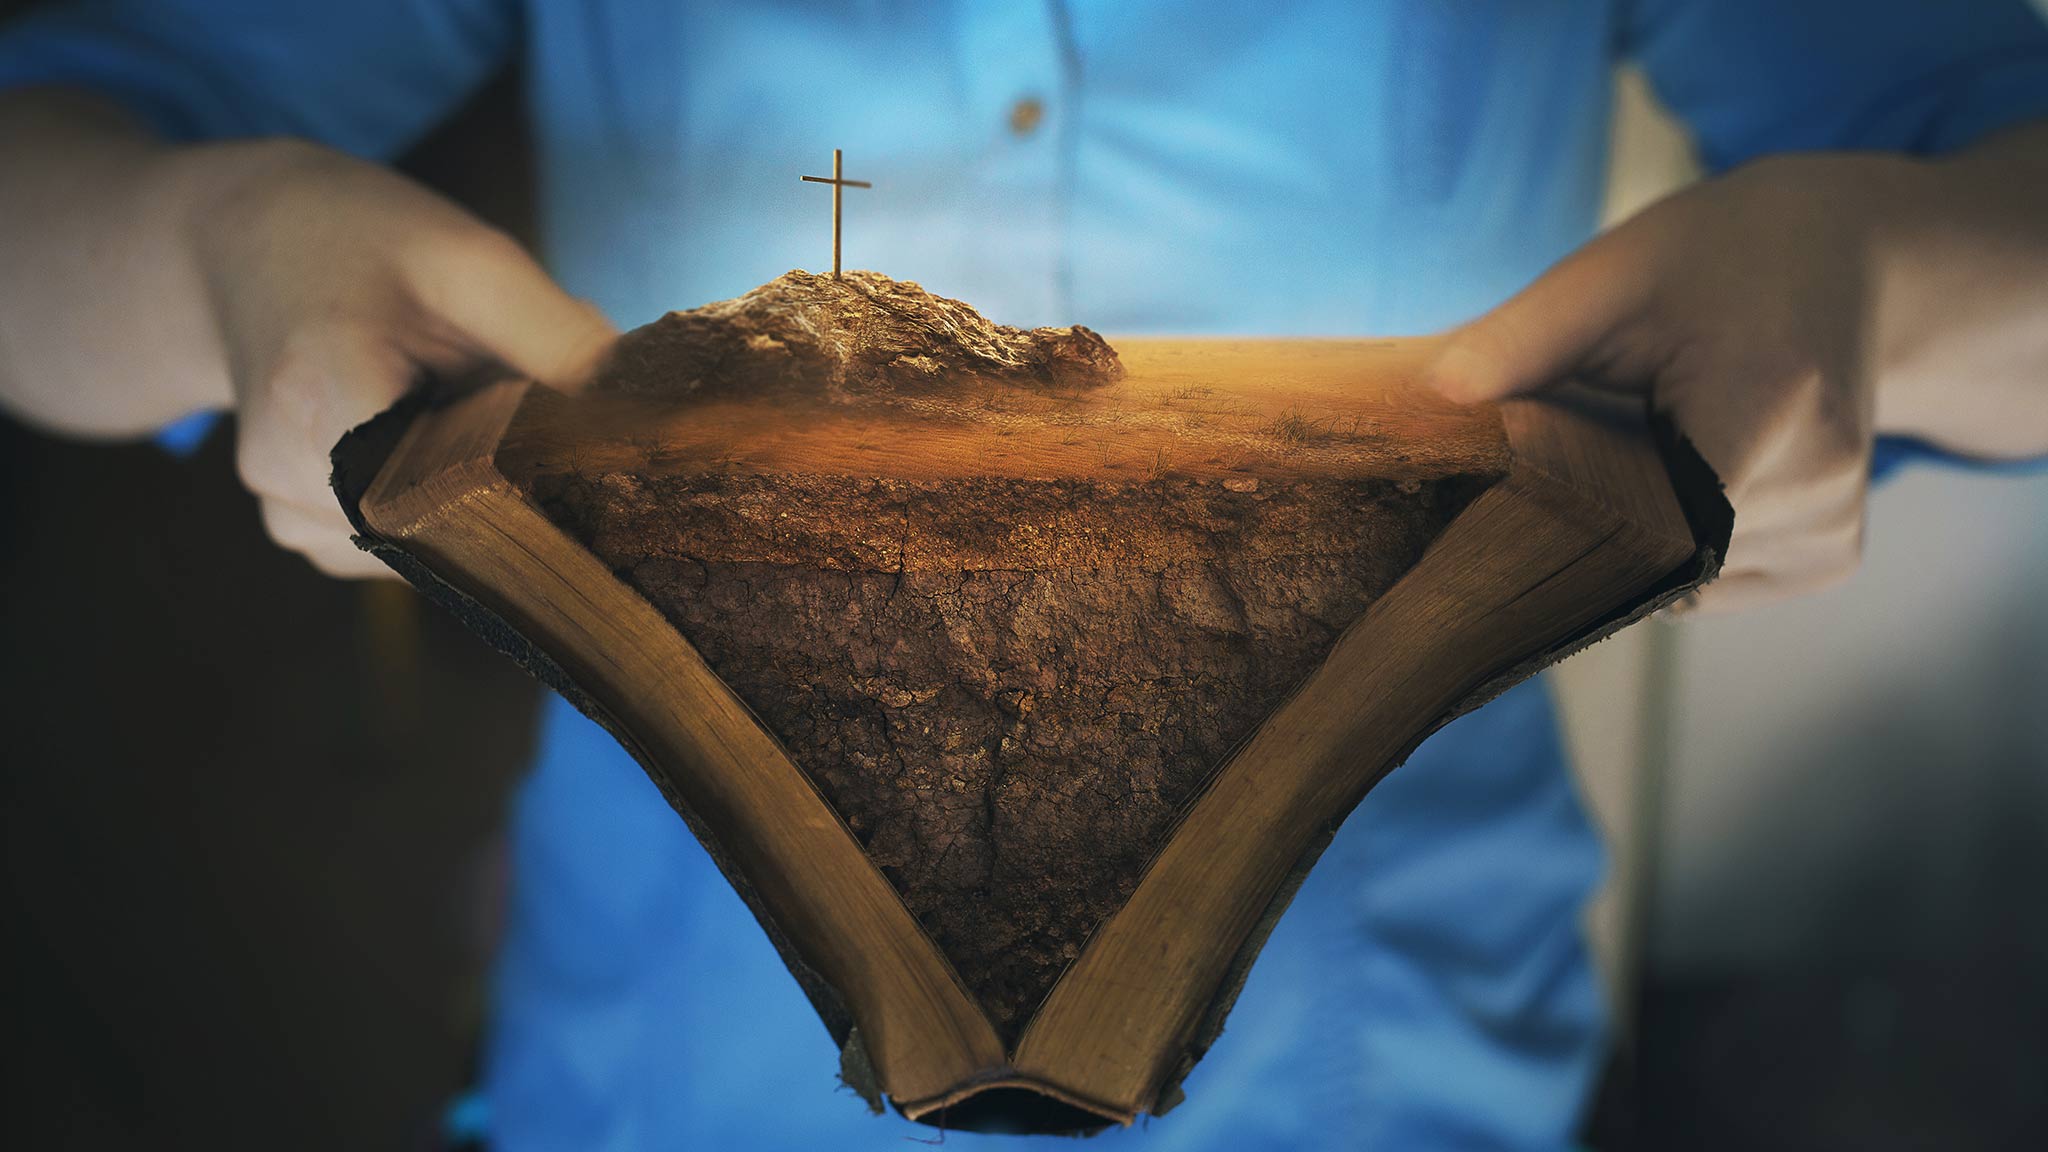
1551,328
485,285
351,563
1785,561
322,537
329,379
1749,589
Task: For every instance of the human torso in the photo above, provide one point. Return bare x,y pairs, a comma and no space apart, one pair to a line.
1327,167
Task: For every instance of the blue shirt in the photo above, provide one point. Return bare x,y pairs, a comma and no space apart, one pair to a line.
1326,167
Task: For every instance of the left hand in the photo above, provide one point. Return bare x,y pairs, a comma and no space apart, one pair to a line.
1787,312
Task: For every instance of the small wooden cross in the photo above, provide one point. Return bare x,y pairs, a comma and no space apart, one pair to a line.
837,182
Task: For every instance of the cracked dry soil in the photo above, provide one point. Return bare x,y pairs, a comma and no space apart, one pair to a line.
1007,688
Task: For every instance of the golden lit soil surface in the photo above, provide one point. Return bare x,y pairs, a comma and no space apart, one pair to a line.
1199,409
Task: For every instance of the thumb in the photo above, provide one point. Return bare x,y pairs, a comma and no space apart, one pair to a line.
486,287
1549,330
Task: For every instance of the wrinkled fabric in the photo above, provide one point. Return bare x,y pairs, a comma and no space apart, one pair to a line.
1332,167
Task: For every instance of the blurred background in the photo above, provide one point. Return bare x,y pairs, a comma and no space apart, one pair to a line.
269,894
1826,919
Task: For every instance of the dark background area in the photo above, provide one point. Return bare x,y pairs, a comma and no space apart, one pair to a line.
252,813
253,859
250,820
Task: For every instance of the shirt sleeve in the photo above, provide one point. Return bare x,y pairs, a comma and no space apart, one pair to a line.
1891,454
1754,77
367,77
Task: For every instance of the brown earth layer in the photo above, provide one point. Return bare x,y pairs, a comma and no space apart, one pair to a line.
1008,687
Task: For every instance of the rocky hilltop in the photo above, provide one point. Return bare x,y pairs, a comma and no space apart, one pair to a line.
845,339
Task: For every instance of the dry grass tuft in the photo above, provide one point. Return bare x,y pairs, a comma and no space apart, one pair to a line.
1162,464
1295,428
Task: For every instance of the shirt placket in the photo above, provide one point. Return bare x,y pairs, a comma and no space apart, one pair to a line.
1021,87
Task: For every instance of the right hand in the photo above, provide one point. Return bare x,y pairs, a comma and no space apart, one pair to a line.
335,285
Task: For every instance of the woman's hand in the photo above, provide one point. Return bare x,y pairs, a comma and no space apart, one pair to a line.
1786,313
336,284
304,289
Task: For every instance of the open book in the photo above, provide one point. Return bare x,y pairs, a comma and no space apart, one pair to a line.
1016,702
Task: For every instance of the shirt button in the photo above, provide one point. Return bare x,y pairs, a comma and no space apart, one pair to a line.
1026,115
